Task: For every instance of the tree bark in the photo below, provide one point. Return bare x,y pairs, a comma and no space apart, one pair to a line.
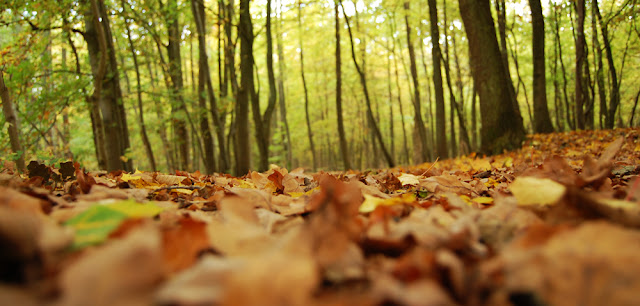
417,109
13,128
580,82
107,95
143,127
502,127
204,80
542,121
178,107
558,46
436,54
614,92
281,93
245,32
306,92
263,121
397,81
341,135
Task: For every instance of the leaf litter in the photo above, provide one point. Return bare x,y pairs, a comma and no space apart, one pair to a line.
553,223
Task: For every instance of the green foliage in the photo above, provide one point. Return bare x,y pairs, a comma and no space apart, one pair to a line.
43,85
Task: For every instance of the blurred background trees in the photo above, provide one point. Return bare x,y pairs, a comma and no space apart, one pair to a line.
229,86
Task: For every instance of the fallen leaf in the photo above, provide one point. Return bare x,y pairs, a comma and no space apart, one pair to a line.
123,272
532,191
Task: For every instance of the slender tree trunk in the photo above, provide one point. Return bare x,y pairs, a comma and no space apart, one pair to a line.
341,134
580,82
245,32
262,122
452,98
474,120
363,82
516,63
556,87
397,79
66,131
162,129
441,127
614,91
455,107
304,86
230,77
13,126
218,121
419,124
558,45
178,107
599,69
143,127
390,102
204,74
542,121
501,123
633,110
281,91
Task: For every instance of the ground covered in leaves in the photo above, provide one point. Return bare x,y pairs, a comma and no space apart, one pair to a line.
554,223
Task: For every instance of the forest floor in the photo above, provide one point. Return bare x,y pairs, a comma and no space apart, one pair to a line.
553,223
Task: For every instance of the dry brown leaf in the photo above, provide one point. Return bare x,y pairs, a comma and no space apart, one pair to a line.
16,200
201,284
595,264
183,243
447,183
122,272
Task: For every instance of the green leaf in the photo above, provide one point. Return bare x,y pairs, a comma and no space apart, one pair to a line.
94,225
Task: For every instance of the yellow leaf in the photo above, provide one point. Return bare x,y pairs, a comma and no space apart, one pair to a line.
533,191
370,202
299,194
131,177
408,179
483,200
480,164
137,210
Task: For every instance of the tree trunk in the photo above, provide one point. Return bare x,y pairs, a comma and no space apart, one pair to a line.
542,121
453,104
143,127
614,92
390,102
397,79
204,77
262,122
178,107
419,124
306,93
162,130
502,127
558,46
457,108
281,94
107,94
436,54
245,32
363,82
13,124
580,44
341,135
599,69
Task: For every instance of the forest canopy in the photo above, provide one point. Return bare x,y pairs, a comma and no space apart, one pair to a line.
227,86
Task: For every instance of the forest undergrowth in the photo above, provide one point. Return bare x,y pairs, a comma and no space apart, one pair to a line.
553,223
